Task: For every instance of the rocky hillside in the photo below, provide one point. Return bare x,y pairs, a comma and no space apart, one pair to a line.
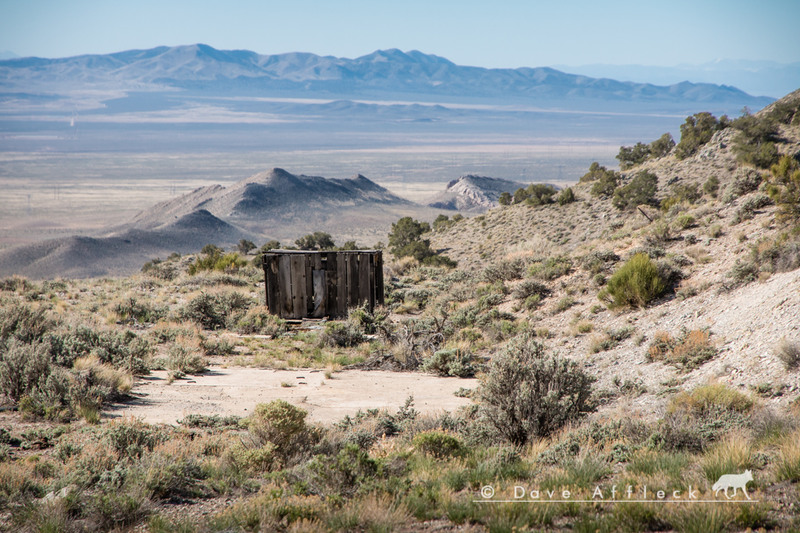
473,193
730,263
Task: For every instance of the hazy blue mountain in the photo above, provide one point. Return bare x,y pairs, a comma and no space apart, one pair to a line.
766,78
381,74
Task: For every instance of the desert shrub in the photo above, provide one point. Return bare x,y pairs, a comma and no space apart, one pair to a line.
405,240
23,322
696,419
604,180
535,194
641,190
597,261
182,360
122,349
567,196
345,334
551,268
696,131
530,287
258,320
711,186
214,258
452,362
528,393
164,270
23,367
210,421
706,398
504,270
439,445
319,240
754,143
611,339
131,438
743,271
214,311
630,156
341,474
784,187
685,221
688,351
745,180
278,422
563,304
132,310
635,283
789,353
748,208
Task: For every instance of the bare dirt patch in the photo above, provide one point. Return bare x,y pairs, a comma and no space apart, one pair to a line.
236,391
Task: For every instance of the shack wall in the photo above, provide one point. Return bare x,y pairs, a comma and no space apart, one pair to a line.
310,284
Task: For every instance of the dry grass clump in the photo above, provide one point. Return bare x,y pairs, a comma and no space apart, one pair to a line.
789,353
688,351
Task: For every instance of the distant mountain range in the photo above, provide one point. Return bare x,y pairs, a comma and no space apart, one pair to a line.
765,78
382,74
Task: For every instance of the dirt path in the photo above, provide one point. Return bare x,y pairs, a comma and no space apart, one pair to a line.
237,390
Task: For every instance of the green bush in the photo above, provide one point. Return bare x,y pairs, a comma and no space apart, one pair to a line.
697,131
131,311
755,141
439,445
567,196
343,334
278,422
711,186
23,322
635,283
214,311
504,270
319,240
405,240
641,190
630,156
530,287
528,393
604,180
535,194
258,320
551,268
453,362
784,188
214,258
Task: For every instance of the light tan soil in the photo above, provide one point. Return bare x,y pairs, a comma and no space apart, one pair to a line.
237,390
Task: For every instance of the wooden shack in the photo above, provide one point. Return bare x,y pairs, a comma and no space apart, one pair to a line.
312,284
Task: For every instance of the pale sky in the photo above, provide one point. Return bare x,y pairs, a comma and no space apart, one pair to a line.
502,33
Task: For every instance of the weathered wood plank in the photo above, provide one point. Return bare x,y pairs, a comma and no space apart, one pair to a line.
352,280
299,294
273,287
285,279
364,287
341,285
379,278
332,287
318,289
